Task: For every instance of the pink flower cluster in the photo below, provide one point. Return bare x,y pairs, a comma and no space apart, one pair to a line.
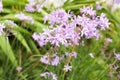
67,29
33,5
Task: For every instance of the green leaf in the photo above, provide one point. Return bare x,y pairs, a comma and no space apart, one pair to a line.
33,46
5,46
22,40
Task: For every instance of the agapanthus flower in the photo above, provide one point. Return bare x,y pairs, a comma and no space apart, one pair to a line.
45,59
2,26
91,23
57,16
98,6
53,60
67,68
88,10
49,75
103,22
1,6
56,60
117,56
63,34
108,40
11,23
89,27
67,29
29,8
40,38
39,7
23,17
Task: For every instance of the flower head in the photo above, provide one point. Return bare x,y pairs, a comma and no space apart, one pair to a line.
53,60
45,59
57,16
108,40
67,68
117,56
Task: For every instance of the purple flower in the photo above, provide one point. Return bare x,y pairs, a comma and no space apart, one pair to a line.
45,59
108,40
50,59
55,60
89,27
11,23
57,16
103,22
88,10
49,75
98,6
117,56
64,27
67,68
1,28
40,38
29,8
23,17
39,7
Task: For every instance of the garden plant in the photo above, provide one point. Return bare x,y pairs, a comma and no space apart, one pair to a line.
59,39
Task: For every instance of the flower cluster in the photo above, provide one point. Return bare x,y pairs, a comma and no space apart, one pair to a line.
32,6
49,75
23,17
91,23
37,5
117,56
67,29
64,33
67,68
57,17
50,59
